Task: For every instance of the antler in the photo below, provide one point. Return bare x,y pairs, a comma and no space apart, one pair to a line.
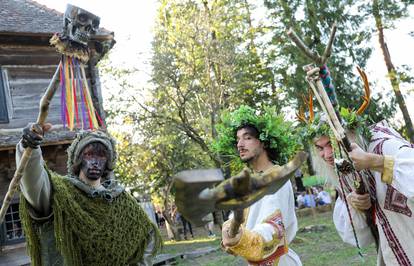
310,103
301,115
367,95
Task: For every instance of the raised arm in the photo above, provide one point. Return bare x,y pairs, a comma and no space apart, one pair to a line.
35,184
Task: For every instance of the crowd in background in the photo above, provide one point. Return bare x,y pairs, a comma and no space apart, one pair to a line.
312,197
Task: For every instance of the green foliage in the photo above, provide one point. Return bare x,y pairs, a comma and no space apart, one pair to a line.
148,165
205,61
274,132
356,123
310,181
312,21
320,127
314,129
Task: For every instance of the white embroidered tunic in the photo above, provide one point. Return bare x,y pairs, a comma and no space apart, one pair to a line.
393,194
271,224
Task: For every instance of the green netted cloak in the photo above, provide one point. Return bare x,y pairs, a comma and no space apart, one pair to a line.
92,231
275,132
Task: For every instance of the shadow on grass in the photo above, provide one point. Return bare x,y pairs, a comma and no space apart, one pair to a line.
314,248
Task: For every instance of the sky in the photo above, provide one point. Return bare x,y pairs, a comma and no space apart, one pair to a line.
133,21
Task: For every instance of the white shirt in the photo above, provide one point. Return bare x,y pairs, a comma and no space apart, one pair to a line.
394,203
283,200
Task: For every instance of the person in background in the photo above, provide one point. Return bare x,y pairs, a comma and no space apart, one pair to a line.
323,197
309,199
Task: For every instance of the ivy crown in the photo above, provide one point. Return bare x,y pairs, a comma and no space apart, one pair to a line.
274,131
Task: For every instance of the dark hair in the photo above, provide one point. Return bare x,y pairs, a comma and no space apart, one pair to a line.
254,132
99,149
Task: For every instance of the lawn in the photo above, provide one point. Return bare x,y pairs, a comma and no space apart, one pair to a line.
314,248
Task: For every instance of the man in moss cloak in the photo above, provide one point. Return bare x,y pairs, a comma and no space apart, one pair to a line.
86,217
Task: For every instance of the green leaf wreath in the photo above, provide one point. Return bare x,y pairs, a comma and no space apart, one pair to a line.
275,132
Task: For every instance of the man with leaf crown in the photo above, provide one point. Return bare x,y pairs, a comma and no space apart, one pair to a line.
85,217
385,162
260,141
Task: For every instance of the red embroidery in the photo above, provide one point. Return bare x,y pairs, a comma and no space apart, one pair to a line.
277,223
396,202
392,240
269,261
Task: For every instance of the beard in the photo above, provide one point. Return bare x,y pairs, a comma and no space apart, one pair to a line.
255,154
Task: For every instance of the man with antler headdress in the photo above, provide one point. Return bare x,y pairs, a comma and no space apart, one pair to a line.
374,174
385,161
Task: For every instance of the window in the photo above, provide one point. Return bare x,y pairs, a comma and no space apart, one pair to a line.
13,231
4,117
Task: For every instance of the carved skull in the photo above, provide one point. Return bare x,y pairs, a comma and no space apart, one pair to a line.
79,24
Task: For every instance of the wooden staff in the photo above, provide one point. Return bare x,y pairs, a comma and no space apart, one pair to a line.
43,112
334,118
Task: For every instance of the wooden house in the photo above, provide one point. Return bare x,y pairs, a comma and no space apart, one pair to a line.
27,64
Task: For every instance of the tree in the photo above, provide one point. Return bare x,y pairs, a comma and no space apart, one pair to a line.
148,165
312,21
204,61
385,13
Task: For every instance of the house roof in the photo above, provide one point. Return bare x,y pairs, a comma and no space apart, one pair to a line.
30,17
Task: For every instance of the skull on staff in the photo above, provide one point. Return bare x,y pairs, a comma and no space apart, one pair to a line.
79,24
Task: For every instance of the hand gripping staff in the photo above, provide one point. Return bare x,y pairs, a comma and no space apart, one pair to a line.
200,192
324,92
72,43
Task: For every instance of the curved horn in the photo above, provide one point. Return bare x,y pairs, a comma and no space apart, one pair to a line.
367,96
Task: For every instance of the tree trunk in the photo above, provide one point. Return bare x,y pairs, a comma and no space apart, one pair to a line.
391,71
169,216
172,231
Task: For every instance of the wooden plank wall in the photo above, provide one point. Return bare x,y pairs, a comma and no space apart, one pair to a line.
28,71
54,156
16,54
26,86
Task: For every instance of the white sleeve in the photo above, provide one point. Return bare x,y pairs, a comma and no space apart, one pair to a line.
35,184
290,221
344,227
287,207
388,142
403,173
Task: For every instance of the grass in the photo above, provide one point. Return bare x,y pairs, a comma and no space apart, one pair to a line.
173,247
314,248
326,247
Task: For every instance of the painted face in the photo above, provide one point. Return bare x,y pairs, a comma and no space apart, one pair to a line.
325,150
93,163
248,146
